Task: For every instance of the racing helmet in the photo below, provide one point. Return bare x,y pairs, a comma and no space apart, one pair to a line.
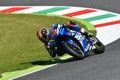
43,34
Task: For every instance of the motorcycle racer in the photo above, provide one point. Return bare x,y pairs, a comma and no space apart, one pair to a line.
46,36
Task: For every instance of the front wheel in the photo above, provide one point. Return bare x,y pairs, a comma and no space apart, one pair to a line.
73,51
99,47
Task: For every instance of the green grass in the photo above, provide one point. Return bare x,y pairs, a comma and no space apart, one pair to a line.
19,45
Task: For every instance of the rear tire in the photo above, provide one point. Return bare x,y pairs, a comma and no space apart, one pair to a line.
73,52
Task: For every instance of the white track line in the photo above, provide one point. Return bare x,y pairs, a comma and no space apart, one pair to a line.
105,20
108,34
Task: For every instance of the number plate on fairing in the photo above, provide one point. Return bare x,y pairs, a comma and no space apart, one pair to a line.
79,36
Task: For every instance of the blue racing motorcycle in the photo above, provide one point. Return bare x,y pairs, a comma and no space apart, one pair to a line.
75,43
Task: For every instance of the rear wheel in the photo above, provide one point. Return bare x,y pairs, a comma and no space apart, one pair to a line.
73,51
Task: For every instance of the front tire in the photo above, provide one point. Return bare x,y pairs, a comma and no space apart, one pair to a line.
99,47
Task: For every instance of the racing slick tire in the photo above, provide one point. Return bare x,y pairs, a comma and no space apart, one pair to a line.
72,51
99,47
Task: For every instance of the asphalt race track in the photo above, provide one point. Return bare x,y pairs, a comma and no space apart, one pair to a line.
96,67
